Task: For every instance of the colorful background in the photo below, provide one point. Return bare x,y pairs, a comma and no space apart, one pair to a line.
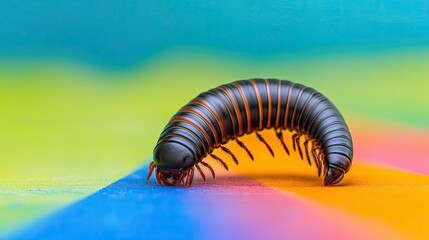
87,86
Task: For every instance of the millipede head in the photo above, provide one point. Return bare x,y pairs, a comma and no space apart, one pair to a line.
337,167
172,155
173,163
333,176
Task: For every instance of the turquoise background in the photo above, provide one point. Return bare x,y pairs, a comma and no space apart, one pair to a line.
125,33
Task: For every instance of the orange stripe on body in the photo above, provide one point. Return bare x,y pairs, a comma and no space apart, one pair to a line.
194,111
234,127
279,92
246,107
287,105
196,125
258,97
269,104
236,109
294,109
207,106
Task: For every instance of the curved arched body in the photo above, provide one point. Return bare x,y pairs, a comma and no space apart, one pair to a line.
243,107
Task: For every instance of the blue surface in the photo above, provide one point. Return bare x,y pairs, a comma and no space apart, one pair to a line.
123,33
129,208
133,209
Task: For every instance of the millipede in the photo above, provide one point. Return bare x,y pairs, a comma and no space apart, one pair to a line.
226,113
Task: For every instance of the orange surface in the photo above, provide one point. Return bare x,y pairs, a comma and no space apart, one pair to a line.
387,201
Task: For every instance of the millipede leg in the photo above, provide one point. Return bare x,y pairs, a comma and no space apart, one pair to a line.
201,172
164,180
220,160
158,178
322,160
306,151
230,153
279,135
299,147
151,168
209,167
192,176
316,160
241,144
185,179
293,141
189,177
266,144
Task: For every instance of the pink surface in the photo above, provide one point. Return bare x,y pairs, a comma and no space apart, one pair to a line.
402,147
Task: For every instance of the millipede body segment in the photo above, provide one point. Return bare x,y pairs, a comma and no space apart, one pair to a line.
232,110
